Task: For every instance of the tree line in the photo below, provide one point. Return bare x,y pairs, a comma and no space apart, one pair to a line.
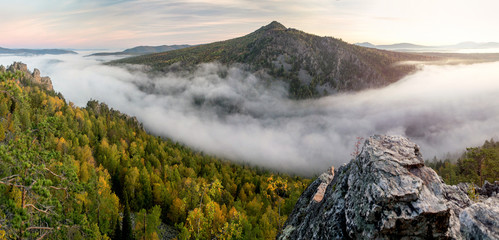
476,165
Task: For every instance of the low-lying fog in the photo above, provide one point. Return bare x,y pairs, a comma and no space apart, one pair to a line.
442,108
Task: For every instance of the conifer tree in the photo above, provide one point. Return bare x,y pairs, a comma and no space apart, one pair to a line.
126,230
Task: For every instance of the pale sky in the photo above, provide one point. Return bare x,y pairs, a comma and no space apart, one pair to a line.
128,23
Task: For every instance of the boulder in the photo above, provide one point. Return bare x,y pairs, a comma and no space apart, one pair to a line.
481,220
386,192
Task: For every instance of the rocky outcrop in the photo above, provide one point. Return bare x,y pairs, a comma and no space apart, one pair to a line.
18,66
29,77
44,81
386,192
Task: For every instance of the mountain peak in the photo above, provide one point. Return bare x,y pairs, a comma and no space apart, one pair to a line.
274,25
301,56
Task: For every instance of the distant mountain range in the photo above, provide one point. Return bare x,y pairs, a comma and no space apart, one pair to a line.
414,47
312,65
35,51
141,50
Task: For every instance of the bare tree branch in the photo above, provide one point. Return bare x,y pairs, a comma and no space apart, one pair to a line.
43,235
59,188
39,228
46,211
11,184
9,178
59,176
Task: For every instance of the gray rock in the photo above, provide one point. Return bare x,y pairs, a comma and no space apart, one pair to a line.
47,83
488,189
34,77
18,66
43,81
481,220
36,74
386,192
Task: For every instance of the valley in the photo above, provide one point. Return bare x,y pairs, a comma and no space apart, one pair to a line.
230,138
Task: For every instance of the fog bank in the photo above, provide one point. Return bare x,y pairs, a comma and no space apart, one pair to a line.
231,113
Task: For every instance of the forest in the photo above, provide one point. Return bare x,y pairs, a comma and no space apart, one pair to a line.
94,173
476,165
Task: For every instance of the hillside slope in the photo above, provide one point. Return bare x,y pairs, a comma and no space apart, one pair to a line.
312,65
80,173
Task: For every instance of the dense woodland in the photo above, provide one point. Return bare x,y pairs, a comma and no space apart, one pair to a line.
93,173
476,165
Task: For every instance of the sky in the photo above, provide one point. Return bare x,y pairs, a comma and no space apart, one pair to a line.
108,24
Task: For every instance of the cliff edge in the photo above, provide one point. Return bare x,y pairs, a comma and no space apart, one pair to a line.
386,192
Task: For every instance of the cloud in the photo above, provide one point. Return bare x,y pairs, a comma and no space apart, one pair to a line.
123,24
229,112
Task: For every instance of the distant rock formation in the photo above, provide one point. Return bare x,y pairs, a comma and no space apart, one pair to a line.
29,77
386,192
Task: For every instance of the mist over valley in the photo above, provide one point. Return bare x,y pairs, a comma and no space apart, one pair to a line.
249,120
229,112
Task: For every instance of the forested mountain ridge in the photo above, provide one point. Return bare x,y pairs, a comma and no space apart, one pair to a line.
416,47
141,50
79,173
312,65
35,51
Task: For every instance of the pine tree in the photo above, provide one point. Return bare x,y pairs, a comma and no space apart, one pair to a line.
126,230
117,232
